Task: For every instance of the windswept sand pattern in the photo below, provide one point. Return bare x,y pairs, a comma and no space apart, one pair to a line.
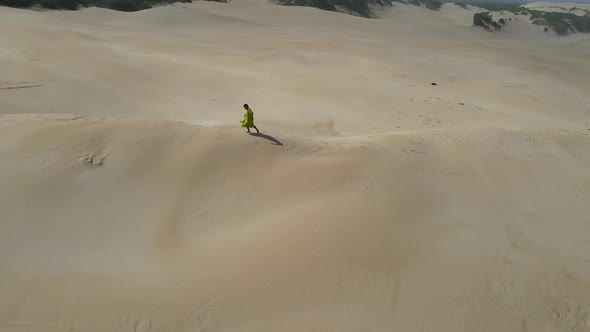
19,85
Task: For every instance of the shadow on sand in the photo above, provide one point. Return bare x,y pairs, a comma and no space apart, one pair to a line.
273,140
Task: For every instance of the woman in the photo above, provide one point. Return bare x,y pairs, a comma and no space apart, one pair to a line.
248,121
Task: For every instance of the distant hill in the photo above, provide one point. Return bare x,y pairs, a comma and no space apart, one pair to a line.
120,5
353,7
579,9
561,19
522,2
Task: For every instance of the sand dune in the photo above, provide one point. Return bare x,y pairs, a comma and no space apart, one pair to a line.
373,200
580,9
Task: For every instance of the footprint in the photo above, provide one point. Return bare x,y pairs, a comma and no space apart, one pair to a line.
91,160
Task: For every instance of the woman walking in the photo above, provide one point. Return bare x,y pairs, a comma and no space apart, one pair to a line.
248,121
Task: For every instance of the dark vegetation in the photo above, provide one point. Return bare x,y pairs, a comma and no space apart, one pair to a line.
485,21
433,4
430,4
561,23
121,5
357,7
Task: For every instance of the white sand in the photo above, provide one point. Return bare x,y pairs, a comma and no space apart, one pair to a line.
131,200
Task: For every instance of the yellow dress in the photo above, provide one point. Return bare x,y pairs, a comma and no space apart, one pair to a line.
248,121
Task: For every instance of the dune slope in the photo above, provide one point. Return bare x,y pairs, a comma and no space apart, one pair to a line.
372,201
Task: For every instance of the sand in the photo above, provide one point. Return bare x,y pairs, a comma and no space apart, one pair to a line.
131,200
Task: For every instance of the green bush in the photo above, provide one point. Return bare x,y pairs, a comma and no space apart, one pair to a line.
360,7
485,21
430,4
49,4
502,21
68,4
433,4
124,5
321,4
562,23
480,19
17,3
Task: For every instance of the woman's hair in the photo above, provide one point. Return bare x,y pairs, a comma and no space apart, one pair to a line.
246,106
